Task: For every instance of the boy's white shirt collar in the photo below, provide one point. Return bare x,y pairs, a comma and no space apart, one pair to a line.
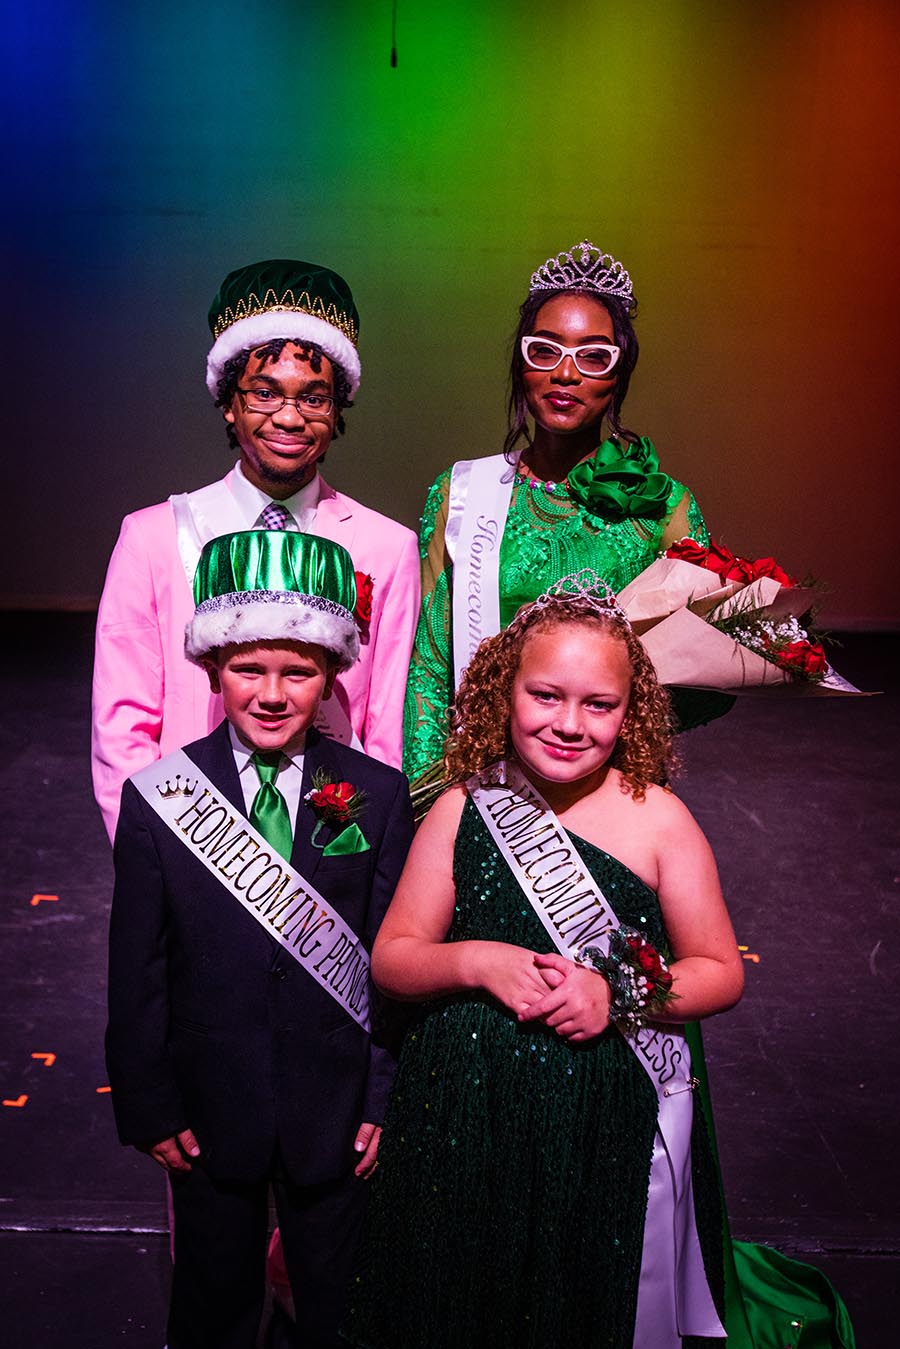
289,779
302,505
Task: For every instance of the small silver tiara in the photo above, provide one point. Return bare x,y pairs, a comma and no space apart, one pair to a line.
593,270
586,587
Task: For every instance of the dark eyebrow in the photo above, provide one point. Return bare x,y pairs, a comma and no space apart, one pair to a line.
309,387
605,338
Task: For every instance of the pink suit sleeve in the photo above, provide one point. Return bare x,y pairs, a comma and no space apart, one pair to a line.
128,673
394,618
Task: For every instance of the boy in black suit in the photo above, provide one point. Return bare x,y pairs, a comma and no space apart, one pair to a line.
253,869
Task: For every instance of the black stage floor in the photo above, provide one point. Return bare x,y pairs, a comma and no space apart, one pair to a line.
798,798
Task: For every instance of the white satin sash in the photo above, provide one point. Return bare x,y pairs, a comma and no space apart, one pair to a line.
258,878
476,515
204,515
673,1294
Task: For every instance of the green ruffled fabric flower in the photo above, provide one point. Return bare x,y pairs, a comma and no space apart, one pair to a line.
622,482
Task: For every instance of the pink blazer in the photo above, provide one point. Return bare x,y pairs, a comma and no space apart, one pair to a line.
149,700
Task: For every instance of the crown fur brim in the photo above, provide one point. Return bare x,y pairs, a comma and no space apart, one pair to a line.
261,328
266,621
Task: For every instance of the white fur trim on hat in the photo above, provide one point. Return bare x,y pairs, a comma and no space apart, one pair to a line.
279,616
260,328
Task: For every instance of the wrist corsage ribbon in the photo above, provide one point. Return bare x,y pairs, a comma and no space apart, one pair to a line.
638,977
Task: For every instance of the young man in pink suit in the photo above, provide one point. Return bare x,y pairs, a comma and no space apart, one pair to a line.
283,367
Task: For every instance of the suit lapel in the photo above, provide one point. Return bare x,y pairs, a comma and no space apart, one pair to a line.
304,857
216,757
334,517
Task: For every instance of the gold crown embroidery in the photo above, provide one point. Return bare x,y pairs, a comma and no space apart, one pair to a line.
187,788
271,304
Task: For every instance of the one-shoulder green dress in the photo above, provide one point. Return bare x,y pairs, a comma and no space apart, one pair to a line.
508,1209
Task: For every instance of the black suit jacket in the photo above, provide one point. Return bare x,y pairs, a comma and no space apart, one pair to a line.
213,1026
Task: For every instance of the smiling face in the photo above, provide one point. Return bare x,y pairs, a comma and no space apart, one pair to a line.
280,450
272,691
569,700
564,401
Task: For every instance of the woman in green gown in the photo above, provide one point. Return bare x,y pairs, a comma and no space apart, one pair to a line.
568,499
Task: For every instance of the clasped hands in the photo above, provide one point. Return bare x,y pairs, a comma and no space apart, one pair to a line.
570,999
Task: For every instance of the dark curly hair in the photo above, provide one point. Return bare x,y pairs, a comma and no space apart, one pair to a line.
233,372
622,313
479,726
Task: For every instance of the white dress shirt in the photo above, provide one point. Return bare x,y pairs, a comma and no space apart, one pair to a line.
288,780
251,500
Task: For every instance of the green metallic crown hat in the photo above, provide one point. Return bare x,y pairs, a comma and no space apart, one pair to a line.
273,585
283,298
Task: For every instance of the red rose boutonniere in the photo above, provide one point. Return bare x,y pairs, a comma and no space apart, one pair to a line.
337,805
365,586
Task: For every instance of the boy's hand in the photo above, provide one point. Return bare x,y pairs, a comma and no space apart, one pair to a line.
367,1139
170,1152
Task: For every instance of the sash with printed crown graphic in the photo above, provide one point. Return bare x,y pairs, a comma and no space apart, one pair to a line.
279,898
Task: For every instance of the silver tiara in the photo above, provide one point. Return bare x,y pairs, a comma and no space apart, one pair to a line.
591,270
587,588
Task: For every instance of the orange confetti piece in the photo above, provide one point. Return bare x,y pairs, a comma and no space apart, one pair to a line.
751,955
18,1102
101,1090
49,1059
36,899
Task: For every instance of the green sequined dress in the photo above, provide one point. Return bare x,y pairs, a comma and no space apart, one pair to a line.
512,1164
548,534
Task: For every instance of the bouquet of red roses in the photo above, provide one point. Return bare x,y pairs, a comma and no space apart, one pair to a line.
710,619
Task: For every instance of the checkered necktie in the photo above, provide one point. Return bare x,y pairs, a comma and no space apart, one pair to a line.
276,516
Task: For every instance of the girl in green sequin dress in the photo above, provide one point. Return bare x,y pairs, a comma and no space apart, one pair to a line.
509,1206
570,503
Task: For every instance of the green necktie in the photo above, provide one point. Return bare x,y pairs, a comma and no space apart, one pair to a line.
269,812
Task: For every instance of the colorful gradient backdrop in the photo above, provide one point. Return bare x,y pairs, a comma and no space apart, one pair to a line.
740,158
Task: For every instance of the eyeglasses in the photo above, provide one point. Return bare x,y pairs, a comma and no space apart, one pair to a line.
596,358
268,401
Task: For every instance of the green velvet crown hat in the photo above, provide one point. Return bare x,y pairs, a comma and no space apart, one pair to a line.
273,585
283,298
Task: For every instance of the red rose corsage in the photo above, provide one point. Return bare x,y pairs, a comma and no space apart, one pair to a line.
637,975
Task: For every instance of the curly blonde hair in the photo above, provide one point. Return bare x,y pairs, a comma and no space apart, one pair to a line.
479,726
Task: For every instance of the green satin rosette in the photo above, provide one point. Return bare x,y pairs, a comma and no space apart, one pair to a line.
621,483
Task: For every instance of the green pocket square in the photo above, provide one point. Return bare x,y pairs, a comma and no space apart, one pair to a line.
349,840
